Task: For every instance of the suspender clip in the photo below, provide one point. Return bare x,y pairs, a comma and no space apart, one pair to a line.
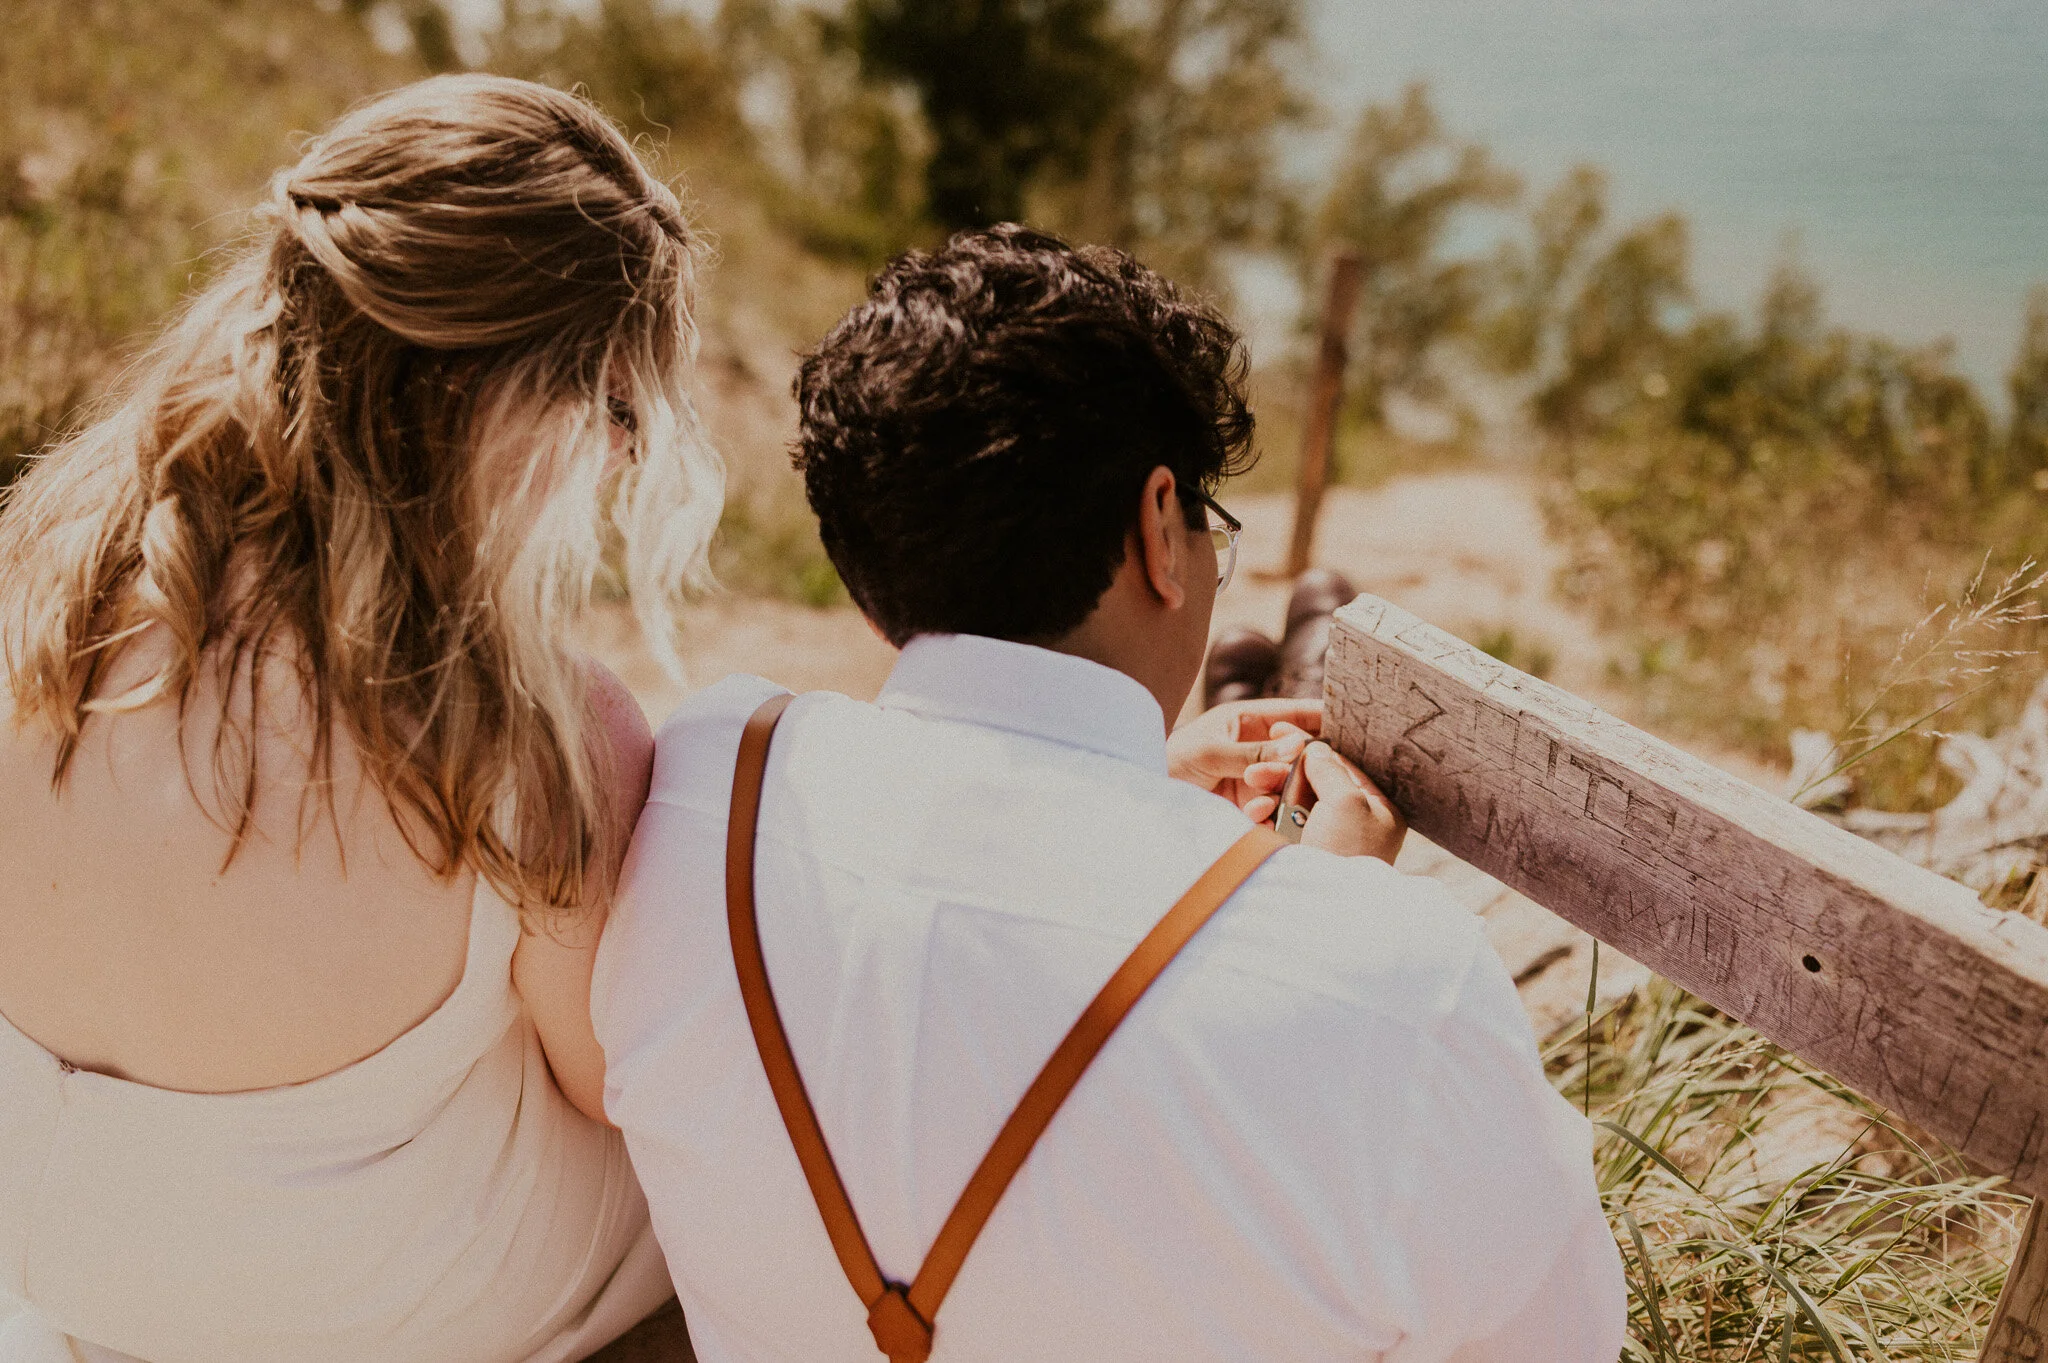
899,1330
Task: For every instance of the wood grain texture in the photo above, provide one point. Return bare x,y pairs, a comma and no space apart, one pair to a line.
1896,981
2019,1327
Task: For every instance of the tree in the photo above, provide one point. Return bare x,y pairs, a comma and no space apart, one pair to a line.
1187,162
133,134
1597,326
1782,385
764,98
1613,344
845,158
1403,183
652,66
1010,89
2027,433
1530,279
433,34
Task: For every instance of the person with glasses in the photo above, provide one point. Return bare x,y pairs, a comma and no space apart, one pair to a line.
1223,533
953,1026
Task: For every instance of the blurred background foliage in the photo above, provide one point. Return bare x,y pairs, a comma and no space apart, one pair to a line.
1759,509
1757,505
131,136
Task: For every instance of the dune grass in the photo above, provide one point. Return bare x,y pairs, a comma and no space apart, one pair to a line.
1764,1211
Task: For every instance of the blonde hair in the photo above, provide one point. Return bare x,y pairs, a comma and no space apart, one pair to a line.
375,449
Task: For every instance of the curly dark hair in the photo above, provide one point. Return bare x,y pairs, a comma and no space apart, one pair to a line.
976,435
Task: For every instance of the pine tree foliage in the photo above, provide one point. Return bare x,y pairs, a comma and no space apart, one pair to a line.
1012,90
1188,165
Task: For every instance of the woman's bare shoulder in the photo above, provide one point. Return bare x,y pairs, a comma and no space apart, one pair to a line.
628,738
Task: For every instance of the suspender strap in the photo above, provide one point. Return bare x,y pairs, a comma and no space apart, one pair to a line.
901,1318
769,1038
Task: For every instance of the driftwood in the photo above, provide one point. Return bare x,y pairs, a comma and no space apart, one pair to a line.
1995,827
1898,981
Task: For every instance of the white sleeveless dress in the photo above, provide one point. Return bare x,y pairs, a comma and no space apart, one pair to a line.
439,1201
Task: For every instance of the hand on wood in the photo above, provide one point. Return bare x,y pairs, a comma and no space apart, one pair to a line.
1351,816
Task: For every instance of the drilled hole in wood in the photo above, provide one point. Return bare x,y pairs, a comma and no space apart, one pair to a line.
1812,963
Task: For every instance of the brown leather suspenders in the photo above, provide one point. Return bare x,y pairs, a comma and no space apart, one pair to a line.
901,1317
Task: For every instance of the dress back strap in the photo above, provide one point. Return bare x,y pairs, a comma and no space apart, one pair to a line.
902,1318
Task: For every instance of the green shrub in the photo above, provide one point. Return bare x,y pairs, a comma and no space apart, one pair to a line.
1763,511
1532,656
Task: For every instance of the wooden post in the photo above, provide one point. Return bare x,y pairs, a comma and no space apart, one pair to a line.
2019,1327
1326,391
1898,982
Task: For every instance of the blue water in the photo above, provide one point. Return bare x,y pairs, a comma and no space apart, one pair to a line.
1898,147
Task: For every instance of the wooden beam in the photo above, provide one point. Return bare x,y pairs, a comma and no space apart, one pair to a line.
1326,391
1889,977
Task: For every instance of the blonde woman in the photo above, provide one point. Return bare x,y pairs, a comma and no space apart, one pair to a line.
310,817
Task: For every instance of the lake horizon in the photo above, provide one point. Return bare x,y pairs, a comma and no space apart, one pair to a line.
1897,149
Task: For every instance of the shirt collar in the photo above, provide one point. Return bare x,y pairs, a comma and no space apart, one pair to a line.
1028,690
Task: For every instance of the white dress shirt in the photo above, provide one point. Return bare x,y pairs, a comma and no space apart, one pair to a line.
1325,1133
